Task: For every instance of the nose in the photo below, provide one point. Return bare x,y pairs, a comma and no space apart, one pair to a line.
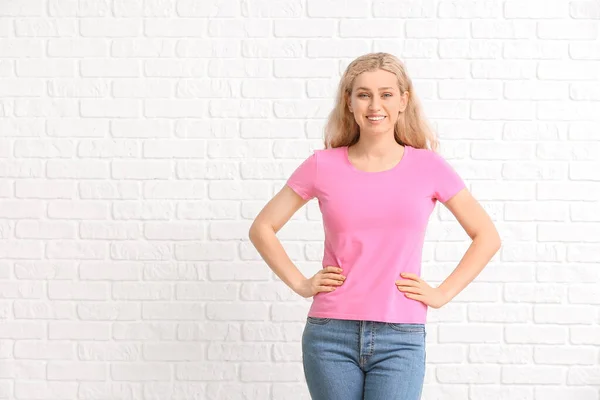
374,105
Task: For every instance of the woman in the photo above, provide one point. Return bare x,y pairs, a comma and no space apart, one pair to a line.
377,182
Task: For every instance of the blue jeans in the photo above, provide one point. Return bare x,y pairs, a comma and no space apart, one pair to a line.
363,360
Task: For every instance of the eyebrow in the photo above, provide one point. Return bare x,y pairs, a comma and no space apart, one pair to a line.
367,89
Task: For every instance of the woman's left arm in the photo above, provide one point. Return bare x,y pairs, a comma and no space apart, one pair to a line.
486,242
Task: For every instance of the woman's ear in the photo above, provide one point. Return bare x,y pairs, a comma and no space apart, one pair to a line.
348,101
404,102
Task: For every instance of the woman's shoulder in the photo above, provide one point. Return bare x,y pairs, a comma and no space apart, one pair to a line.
329,153
425,159
331,150
421,152
329,157
424,154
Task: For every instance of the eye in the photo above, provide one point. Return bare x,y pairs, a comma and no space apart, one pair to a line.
364,94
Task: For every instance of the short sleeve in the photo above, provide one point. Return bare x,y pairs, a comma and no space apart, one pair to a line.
303,179
446,180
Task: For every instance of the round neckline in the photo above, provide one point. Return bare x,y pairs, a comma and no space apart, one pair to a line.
395,167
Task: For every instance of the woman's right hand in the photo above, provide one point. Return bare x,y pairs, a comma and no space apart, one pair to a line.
326,280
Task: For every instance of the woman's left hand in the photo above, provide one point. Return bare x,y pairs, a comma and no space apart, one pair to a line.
417,289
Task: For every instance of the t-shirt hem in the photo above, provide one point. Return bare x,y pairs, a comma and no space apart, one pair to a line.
364,318
298,191
452,193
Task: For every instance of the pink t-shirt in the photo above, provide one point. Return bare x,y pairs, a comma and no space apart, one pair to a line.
375,225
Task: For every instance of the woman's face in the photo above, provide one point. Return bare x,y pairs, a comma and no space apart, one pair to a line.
376,93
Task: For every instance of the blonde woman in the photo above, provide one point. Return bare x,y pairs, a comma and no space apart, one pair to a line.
377,181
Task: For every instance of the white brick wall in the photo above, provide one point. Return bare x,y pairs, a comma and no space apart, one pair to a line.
139,138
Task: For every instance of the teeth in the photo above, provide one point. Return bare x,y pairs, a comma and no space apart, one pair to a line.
375,118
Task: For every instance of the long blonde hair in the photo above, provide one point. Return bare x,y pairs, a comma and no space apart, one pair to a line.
411,127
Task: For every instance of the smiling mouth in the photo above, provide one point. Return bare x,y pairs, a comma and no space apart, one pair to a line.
376,119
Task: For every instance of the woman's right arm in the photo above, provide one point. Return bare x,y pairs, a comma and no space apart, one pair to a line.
276,213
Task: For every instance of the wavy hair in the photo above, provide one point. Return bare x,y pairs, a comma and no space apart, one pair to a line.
411,127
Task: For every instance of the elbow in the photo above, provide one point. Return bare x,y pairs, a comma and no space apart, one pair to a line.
255,232
491,238
497,242
498,239
252,232
498,245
